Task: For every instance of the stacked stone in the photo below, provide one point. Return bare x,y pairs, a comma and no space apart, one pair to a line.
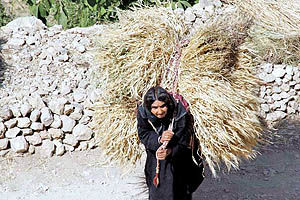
197,16
280,95
46,95
60,127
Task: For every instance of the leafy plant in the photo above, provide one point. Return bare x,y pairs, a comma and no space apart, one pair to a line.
72,13
4,17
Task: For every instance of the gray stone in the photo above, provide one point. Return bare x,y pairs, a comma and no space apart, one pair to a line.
56,133
35,115
16,42
278,71
36,101
69,148
292,92
6,114
275,116
25,109
268,78
292,83
16,111
57,106
284,95
268,68
79,95
85,120
189,15
278,81
48,148
60,148
285,87
19,144
32,23
34,139
83,146
57,123
82,132
37,126
2,130
70,140
67,123
290,110
12,133
69,108
276,97
289,70
265,107
283,108
31,149
65,89
276,89
24,122
297,87
27,131
45,135
46,116
4,144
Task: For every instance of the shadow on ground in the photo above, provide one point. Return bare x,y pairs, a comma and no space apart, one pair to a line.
274,174
3,65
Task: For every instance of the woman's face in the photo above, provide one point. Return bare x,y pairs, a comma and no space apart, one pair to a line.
159,109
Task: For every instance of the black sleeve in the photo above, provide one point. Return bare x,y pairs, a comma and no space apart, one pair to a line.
180,141
146,134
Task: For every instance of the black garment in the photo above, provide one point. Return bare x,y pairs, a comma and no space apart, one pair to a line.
178,168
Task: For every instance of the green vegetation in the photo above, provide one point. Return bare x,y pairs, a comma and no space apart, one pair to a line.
4,17
72,13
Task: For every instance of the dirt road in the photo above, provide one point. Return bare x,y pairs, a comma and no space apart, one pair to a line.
275,174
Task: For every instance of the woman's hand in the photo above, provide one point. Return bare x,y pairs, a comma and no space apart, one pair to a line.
162,153
166,136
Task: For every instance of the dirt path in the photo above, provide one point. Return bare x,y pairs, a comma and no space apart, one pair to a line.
275,174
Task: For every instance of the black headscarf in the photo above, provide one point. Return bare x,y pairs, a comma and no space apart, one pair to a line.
160,94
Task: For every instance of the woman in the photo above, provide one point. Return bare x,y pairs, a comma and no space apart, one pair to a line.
178,175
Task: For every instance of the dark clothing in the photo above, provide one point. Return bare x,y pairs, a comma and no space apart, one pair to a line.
178,168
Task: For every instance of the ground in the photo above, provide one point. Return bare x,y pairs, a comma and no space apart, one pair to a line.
275,174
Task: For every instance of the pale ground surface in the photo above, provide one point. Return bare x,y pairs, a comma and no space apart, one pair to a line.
274,175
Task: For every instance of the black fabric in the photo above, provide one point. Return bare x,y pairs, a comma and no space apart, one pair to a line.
178,175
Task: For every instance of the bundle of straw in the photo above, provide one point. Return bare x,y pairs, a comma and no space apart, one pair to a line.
275,36
216,79
132,57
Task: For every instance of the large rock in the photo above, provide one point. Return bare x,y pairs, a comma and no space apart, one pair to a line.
11,123
56,133
25,109
3,144
57,106
6,114
276,116
82,132
67,123
32,23
48,148
12,133
46,116
37,126
70,140
19,144
34,139
35,115
24,122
